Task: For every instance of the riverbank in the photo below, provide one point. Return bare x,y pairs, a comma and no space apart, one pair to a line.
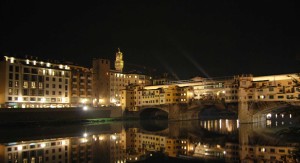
58,115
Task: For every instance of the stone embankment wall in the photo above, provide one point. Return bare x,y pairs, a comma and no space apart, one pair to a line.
57,114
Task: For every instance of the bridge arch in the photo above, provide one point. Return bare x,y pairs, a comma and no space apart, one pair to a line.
257,111
153,113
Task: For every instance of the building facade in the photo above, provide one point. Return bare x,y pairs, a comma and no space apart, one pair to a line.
81,86
108,83
101,69
133,98
28,82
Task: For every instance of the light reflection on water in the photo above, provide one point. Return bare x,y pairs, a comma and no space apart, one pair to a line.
222,140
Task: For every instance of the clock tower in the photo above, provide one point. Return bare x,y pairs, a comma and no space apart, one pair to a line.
119,63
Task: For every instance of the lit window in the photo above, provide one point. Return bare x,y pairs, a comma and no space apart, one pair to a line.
33,85
48,64
25,84
34,62
12,60
10,91
27,61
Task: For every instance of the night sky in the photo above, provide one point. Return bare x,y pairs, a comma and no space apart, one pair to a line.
182,37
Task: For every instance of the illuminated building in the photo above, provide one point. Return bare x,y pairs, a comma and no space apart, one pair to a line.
266,153
143,142
135,97
161,80
209,151
101,68
108,83
175,147
47,151
232,152
81,86
98,148
119,81
32,83
283,87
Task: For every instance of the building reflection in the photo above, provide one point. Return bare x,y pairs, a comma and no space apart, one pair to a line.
221,139
223,126
52,150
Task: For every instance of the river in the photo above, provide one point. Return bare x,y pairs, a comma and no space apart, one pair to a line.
209,140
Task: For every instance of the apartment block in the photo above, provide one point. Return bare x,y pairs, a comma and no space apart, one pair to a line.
81,86
41,151
28,82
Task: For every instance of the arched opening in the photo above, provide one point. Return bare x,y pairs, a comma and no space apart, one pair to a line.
153,113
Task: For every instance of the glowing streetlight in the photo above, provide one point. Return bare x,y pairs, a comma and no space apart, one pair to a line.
85,108
85,134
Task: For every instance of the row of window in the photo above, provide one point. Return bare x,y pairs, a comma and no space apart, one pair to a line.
28,70
34,99
34,85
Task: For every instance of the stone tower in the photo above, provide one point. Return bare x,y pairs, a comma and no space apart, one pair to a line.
119,63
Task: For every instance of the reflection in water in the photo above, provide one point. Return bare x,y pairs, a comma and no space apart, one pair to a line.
218,139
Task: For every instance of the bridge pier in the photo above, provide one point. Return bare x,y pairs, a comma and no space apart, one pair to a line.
246,113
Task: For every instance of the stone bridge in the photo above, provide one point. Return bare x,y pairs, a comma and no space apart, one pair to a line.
178,111
171,111
256,111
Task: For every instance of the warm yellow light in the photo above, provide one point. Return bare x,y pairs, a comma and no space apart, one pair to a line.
85,108
84,100
101,100
48,64
20,147
12,60
43,145
34,62
113,137
84,140
85,134
20,99
43,99
101,138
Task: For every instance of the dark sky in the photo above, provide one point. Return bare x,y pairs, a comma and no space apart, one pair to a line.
183,37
